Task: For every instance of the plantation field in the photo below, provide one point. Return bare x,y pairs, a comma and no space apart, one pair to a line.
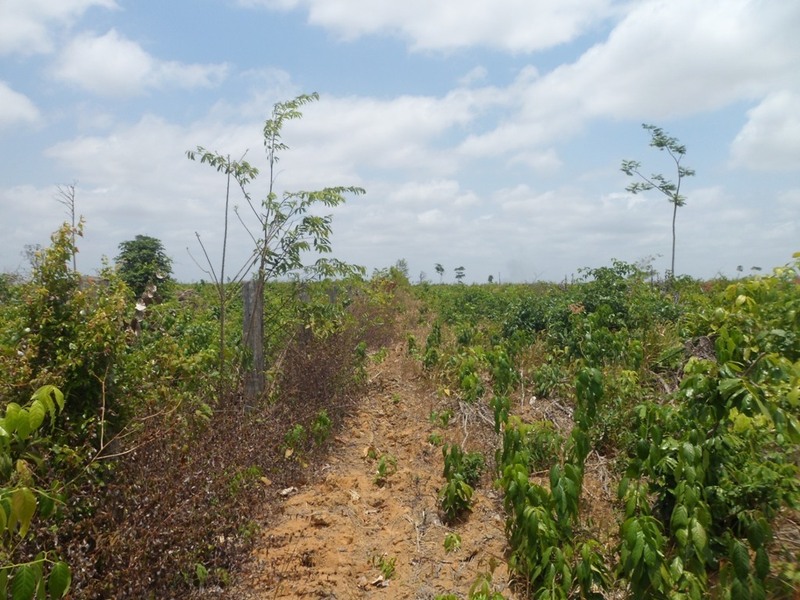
615,437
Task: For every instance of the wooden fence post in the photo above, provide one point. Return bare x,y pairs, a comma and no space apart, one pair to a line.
253,336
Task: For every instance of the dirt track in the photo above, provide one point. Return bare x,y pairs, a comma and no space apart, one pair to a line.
333,535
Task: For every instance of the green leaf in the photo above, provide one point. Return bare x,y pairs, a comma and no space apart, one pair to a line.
23,505
739,591
682,535
699,538
59,581
638,548
50,394
23,424
46,505
36,415
680,517
23,585
688,453
740,559
757,532
762,563
3,522
12,411
676,568
37,566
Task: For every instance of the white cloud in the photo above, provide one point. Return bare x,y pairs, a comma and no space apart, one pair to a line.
770,140
680,57
137,179
432,217
664,59
25,25
112,65
509,25
474,75
16,107
437,192
345,136
546,161
718,230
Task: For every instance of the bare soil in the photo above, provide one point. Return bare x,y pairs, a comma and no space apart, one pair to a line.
330,537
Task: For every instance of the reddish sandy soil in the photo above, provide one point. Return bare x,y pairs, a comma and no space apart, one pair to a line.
333,534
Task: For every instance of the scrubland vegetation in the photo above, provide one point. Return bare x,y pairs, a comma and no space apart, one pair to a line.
643,434
126,473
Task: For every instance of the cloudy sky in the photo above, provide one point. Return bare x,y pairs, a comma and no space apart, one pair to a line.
488,134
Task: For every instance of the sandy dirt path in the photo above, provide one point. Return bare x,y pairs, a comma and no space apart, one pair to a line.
345,535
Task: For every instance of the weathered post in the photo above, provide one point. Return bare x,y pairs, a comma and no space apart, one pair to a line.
253,335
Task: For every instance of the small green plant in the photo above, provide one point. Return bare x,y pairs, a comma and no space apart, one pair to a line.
248,530
462,471
547,378
469,465
411,345
435,439
201,574
545,444
452,542
481,588
223,576
455,497
465,335
380,355
360,375
243,478
500,406
387,465
441,418
472,466
396,398
431,356
321,427
294,439
387,566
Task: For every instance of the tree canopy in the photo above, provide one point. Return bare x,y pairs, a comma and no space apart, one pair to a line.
141,261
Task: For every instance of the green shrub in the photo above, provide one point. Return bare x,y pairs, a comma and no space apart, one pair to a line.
24,447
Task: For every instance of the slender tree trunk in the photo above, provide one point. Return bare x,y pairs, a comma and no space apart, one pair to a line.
223,296
674,216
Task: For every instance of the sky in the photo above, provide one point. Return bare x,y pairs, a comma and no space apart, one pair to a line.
487,134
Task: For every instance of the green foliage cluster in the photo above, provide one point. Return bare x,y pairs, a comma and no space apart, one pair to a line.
143,261
602,320
692,390
711,473
23,450
545,550
462,470
61,331
297,438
